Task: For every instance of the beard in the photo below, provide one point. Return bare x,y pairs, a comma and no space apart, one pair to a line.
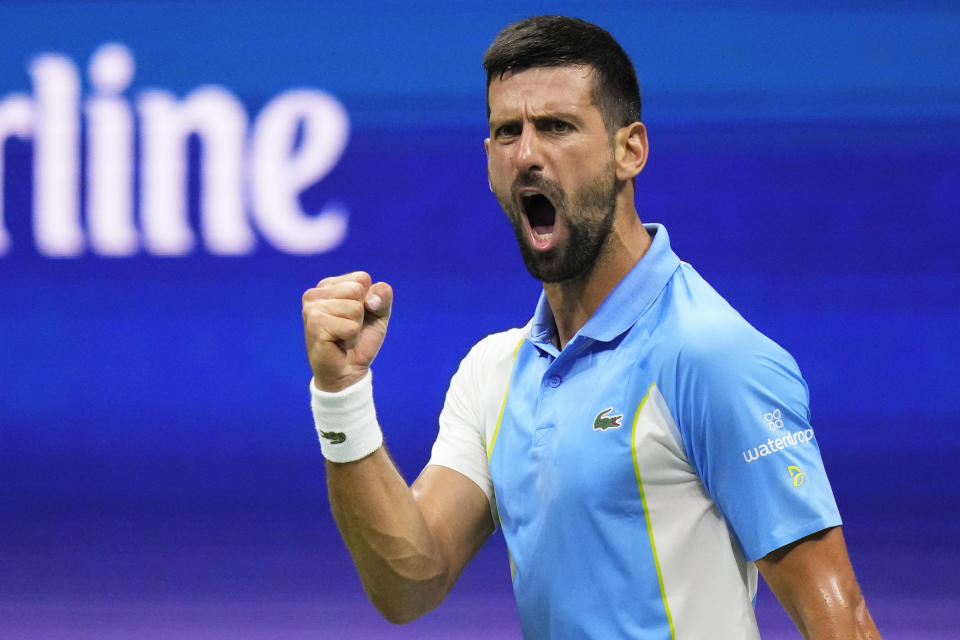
588,218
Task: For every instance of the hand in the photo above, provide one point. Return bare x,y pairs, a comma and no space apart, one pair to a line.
345,321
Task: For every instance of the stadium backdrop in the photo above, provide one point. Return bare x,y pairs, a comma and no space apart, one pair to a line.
176,174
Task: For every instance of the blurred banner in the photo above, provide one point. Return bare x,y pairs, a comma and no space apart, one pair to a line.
176,174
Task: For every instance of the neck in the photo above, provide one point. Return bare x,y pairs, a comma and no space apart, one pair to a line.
573,302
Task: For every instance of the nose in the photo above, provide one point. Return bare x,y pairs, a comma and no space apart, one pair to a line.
528,155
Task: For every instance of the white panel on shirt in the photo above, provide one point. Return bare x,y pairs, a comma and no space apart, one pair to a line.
472,408
692,539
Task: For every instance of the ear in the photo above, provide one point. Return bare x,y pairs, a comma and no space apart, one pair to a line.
630,148
486,148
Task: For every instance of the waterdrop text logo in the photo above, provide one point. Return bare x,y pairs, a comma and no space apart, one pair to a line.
250,176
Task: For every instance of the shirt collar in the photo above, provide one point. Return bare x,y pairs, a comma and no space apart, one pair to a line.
628,300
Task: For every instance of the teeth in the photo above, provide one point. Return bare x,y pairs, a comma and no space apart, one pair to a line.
542,236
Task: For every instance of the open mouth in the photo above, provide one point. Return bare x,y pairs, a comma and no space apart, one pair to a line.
542,217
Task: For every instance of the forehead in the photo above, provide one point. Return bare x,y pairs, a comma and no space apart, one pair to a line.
542,90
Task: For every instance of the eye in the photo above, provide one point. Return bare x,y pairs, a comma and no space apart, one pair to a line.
507,130
554,125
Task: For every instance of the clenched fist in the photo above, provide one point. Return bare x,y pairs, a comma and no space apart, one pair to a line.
345,321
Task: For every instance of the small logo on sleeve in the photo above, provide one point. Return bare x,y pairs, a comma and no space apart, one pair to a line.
796,475
335,437
603,422
774,419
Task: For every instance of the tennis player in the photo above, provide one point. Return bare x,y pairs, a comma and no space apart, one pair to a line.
643,448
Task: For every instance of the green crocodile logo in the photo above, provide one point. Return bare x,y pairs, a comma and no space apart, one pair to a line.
603,422
335,437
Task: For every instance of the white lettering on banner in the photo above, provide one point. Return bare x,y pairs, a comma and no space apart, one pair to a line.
110,154
278,177
16,119
220,122
56,164
296,140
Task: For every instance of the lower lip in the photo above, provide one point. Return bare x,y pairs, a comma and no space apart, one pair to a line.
542,242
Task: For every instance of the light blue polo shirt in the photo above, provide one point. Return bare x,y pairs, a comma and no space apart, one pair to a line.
638,472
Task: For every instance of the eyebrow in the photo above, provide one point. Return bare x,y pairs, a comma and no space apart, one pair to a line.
559,115
541,118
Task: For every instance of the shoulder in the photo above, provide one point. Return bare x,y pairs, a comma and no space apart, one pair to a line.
488,361
711,356
707,333
477,388
497,348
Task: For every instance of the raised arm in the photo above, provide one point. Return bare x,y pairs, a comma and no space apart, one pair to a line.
409,544
813,580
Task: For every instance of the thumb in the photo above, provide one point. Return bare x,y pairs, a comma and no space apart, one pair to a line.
379,300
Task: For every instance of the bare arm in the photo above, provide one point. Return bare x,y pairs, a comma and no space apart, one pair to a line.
409,544
813,580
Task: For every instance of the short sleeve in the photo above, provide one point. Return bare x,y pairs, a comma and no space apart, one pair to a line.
460,440
745,421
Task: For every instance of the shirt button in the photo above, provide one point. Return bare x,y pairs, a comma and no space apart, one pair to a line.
555,381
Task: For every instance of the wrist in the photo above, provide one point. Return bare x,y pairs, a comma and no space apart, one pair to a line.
326,384
346,420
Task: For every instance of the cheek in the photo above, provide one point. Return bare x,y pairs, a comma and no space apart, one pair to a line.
498,172
496,161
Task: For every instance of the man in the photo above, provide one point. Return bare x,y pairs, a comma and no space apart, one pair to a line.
643,448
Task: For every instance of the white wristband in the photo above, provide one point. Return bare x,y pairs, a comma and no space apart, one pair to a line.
346,421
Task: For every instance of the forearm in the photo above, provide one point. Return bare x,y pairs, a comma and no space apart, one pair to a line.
814,581
844,618
408,550
400,563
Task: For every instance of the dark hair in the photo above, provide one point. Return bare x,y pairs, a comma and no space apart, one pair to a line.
559,41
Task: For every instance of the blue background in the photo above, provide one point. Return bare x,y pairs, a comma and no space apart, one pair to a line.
159,472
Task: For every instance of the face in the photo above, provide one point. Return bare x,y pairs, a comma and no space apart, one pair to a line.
550,164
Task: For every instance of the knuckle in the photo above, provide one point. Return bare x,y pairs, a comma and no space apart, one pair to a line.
309,310
316,320
355,309
313,321
362,278
312,306
353,290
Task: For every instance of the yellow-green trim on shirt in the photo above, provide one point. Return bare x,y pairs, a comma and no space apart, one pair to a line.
503,405
646,512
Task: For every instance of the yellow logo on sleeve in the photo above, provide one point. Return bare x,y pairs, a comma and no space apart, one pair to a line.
797,475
